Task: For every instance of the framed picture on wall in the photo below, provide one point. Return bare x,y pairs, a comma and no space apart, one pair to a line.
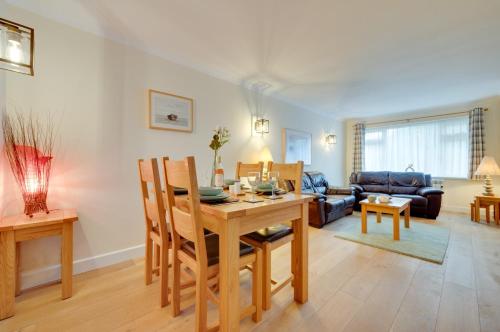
170,112
295,146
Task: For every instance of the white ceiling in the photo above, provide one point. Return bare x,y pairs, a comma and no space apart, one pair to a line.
344,58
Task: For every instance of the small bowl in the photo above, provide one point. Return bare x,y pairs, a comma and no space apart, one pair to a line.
384,199
372,198
229,182
264,186
210,191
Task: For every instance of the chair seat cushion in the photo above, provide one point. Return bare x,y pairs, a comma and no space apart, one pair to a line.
212,244
270,234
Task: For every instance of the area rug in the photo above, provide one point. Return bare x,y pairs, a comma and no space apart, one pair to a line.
423,241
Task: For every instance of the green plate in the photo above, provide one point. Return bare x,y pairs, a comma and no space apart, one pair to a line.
212,198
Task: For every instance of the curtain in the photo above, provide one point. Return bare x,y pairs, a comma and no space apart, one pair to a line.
359,147
437,147
476,141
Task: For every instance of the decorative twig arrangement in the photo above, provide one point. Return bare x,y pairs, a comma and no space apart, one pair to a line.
28,146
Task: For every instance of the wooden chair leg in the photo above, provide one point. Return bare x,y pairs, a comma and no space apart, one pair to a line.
293,261
163,269
201,307
266,283
157,257
149,261
176,285
257,285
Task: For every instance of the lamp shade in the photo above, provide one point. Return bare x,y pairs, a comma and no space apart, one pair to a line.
488,166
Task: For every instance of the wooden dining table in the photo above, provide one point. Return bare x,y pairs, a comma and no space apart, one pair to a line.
231,220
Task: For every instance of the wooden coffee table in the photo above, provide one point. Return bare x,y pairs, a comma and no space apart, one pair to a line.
394,207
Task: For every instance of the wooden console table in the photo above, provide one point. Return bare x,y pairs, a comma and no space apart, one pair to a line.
14,230
486,201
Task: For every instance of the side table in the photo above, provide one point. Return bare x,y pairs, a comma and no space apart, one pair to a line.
487,200
16,229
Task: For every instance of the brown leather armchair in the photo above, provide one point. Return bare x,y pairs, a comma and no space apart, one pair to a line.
329,203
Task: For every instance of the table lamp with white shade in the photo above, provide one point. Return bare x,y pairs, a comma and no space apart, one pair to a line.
487,168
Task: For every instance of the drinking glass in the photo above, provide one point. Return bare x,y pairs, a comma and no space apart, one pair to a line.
272,177
254,180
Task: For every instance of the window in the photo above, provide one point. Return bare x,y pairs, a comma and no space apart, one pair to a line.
438,147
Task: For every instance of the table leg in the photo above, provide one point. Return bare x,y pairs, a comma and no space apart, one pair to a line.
7,274
395,222
229,251
363,219
67,260
18,268
477,215
407,217
301,255
379,217
487,208
497,213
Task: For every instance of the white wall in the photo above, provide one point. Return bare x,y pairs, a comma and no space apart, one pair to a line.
458,193
96,91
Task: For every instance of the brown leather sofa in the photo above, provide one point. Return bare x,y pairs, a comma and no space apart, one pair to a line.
329,203
425,200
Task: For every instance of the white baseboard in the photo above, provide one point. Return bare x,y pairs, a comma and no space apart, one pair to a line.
52,273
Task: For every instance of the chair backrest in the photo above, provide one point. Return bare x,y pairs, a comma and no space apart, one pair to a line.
152,197
185,214
289,172
243,169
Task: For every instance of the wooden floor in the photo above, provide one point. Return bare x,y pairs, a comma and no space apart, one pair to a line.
352,288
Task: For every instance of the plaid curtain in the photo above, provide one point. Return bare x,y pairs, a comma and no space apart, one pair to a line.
476,140
359,147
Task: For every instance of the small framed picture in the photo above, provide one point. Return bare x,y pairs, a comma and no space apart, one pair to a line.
170,112
296,146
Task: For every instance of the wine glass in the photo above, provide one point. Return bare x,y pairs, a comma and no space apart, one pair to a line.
254,180
272,177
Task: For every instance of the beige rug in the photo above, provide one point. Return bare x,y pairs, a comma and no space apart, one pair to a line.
425,241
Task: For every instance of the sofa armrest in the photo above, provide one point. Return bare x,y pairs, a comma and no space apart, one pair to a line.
357,187
429,191
340,191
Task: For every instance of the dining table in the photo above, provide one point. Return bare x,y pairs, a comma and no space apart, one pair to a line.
235,218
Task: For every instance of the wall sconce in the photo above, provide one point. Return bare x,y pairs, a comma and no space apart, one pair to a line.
261,126
16,47
331,139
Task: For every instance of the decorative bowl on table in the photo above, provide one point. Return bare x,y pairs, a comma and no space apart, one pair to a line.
372,198
384,199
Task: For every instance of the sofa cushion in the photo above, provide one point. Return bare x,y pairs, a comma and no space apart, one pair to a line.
374,181
415,199
406,182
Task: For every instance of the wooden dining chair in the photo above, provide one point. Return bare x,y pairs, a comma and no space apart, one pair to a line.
199,252
157,237
271,238
243,169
